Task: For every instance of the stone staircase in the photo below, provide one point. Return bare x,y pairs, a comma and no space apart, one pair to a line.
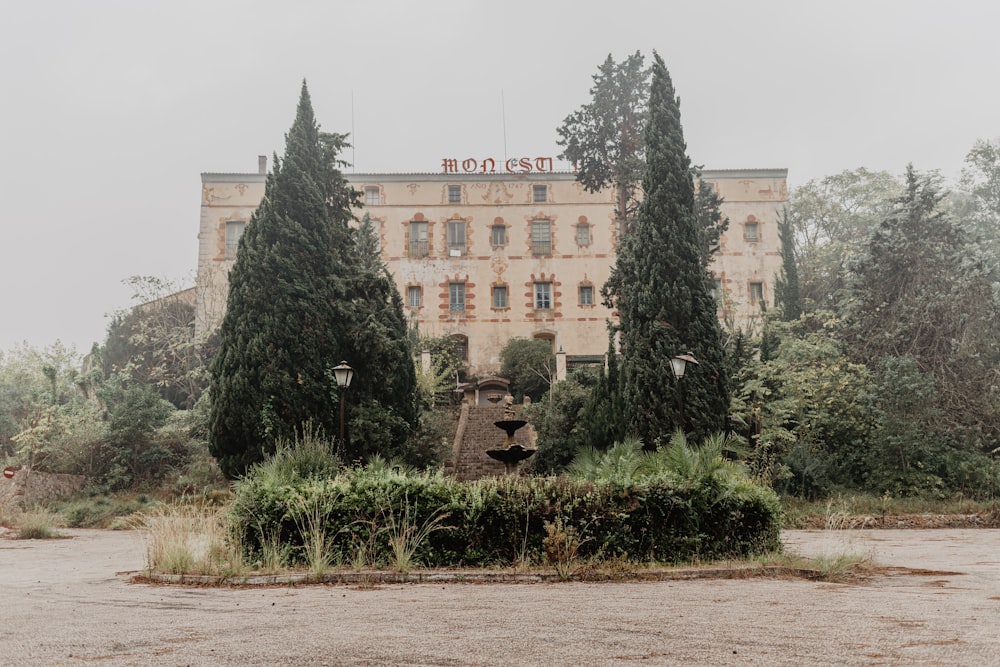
475,434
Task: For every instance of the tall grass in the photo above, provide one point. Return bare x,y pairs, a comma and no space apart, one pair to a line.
308,509
36,524
406,537
310,455
841,510
562,546
187,539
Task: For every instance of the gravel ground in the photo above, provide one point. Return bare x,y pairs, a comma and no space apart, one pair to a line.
937,602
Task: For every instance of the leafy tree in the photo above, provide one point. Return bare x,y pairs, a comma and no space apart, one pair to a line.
529,365
923,291
154,342
562,420
805,411
32,383
832,217
981,181
134,455
981,176
786,284
661,288
279,337
604,138
436,385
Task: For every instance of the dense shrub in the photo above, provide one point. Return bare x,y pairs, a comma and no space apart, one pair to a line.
500,521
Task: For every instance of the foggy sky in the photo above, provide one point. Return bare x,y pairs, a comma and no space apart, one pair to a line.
110,110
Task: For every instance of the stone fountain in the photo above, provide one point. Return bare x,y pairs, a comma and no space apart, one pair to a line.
512,454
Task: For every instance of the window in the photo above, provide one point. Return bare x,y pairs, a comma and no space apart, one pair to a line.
418,239
548,338
372,197
583,234
750,232
461,347
757,293
539,194
499,296
498,235
543,296
456,297
454,194
586,295
456,238
234,231
717,289
414,296
541,237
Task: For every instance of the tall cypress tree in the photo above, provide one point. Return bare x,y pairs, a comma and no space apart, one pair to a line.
375,331
786,284
661,287
271,374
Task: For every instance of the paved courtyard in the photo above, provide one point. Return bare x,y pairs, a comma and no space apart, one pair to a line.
70,602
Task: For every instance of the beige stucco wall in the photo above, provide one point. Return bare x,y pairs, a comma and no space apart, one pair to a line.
224,197
507,199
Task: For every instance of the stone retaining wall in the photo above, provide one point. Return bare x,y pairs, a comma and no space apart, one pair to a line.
31,486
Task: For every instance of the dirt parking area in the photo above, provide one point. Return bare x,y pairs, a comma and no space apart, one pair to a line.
935,602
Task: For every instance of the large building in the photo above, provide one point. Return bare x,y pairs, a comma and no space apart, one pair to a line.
486,254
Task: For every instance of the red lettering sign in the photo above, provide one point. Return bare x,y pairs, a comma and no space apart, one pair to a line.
515,165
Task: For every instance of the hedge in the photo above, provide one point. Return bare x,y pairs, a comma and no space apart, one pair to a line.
500,521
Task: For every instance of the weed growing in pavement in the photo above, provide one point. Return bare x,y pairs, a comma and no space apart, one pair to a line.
36,524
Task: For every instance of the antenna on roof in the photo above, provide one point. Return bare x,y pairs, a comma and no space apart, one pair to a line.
503,116
354,140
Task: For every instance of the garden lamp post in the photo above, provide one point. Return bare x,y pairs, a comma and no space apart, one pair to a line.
343,374
678,365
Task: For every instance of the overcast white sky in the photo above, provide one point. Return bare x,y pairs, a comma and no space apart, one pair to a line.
110,110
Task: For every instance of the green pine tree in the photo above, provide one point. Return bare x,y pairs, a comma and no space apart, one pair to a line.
375,331
601,417
786,284
271,374
604,137
662,290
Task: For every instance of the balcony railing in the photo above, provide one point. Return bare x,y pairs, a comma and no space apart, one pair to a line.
419,249
541,248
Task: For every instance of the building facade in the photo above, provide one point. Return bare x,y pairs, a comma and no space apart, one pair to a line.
486,257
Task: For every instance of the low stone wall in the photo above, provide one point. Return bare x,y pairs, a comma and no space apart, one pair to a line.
31,486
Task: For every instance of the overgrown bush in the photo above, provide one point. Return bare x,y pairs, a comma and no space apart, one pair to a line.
561,421
500,521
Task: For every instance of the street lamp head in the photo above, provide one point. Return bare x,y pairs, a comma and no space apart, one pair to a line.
679,363
343,374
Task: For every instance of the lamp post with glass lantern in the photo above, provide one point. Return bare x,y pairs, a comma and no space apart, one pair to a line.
343,374
678,365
